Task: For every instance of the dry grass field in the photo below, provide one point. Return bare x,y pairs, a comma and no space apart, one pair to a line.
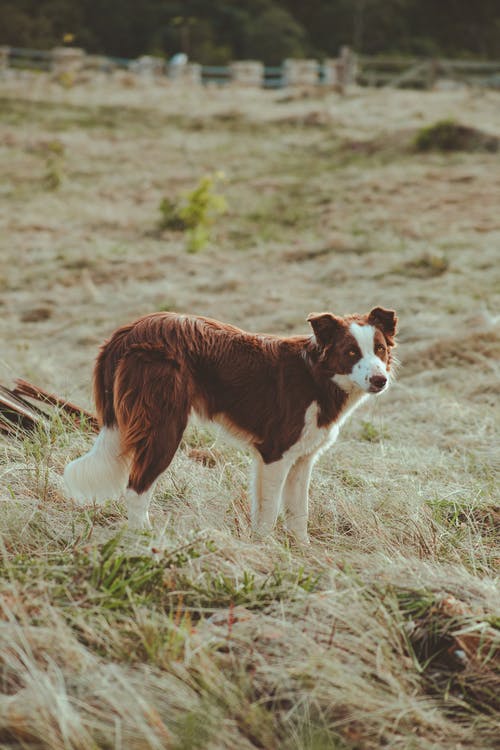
385,631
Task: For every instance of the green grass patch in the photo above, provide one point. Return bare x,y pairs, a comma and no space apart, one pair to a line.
218,590
425,266
371,433
104,576
449,135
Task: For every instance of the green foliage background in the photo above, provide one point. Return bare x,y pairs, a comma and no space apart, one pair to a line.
215,31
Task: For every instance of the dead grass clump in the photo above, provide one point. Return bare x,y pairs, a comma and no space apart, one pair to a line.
448,135
36,314
304,94
388,145
304,254
62,694
487,519
445,136
229,116
478,349
425,266
312,119
233,120
457,650
204,456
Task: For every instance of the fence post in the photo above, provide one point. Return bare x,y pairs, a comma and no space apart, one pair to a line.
4,58
300,72
247,73
432,73
347,67
192,73
340,73
67,60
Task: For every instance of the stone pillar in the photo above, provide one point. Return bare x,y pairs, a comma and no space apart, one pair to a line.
67,60
192,73
99,64
330,72
300,72
148,66
4,58
347,68
184,72
247,73
340,73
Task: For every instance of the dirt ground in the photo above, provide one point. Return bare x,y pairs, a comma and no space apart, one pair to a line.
330,207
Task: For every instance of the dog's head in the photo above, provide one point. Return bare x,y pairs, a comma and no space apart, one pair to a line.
355,352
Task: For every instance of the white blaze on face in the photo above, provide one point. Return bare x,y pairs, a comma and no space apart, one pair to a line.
368,366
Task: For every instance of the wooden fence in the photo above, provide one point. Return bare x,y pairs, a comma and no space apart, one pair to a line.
337,73
425,73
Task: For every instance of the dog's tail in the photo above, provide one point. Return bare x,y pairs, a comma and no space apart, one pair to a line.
103,472
108,359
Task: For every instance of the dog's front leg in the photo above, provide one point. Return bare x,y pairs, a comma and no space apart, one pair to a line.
296,498
266,496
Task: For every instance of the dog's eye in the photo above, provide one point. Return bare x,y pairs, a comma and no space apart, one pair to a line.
352,353
380,348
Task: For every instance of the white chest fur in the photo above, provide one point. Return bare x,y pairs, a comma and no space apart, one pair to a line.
315,440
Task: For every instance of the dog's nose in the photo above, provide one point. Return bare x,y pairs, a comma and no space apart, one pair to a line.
378,381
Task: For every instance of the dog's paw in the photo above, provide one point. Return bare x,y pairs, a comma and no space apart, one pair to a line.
139,522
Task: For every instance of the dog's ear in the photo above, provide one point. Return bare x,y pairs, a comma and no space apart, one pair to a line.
326,327
386,320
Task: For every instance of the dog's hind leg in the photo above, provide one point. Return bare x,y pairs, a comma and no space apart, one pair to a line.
152,408
138,508
100,474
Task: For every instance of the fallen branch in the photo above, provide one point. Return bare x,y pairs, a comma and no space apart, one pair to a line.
19,416
16,413
23,388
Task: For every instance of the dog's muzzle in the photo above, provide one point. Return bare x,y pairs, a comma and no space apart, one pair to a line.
377,383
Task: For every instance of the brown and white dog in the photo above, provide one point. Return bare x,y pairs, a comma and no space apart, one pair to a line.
285,398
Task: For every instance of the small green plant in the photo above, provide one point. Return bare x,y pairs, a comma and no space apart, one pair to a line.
441,136
218,590
195,213
38,448
372,434
195,728
425,266
349,480
66,79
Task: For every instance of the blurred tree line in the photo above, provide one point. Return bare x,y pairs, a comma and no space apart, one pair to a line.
216,31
